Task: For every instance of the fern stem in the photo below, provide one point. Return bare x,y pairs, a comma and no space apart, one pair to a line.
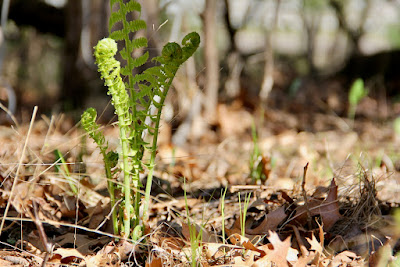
88,120
127,184
111,191
110,72
154,153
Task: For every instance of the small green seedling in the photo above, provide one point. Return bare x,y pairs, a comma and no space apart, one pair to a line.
396,126
356,94
195,237
243,212
223,195
138,104
256,159
63,169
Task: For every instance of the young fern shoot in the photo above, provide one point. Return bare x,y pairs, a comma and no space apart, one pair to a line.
139,111
110,159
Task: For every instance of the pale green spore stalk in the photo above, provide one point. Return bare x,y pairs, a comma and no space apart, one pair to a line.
110,69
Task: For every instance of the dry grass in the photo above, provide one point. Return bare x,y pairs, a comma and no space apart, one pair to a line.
43,213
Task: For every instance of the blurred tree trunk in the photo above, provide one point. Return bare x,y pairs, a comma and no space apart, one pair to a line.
354,34
86,22
45,18
234,61
311,21
268,80
211,60
73,89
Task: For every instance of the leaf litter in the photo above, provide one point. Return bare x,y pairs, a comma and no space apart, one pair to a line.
338,216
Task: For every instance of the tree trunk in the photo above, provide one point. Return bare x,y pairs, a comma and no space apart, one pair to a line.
73,89
211,60
268,80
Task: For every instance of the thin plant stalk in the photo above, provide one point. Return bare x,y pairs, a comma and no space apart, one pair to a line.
153,155
111,191
65,171
243,212
88,121
194,237
223,214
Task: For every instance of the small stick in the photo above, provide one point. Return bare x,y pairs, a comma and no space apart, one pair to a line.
303,188
18,169
108,215
42,234
303,248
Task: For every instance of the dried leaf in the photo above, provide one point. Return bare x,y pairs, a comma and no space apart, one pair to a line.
155,262
301,214
205,235
382,256
270,222
250,246
99,260
315,245
172,243
186,231
237,239
329,209
344,257
304,260
279,253
235,228
82,242
67,255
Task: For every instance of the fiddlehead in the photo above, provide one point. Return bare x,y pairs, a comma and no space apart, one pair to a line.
110,68
110,159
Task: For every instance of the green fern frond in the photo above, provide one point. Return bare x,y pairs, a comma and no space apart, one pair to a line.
123,9
110,159
88,120
160,77
124,34
139,61
190,44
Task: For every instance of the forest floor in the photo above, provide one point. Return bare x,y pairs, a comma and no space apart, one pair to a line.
326,196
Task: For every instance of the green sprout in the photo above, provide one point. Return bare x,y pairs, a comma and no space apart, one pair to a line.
356,94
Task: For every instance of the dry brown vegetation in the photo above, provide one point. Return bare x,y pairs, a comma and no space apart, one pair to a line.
328,198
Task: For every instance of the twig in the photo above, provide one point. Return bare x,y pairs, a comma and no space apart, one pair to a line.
42,233
18,169
108,215
39,259
56,223
9,113
303,248
303,188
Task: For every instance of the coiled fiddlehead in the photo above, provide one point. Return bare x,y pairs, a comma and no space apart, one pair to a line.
110,159
110,68
160,79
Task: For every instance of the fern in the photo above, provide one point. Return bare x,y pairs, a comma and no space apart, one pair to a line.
160,79
110,159
128,28
139,111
